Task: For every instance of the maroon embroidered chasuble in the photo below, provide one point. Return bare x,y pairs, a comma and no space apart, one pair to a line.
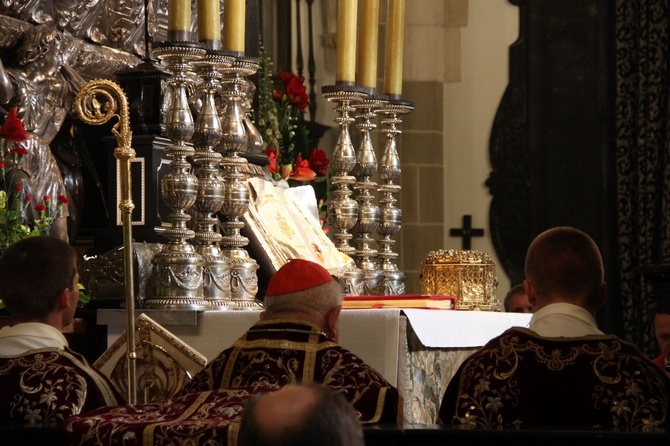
46,386
204,418
281,352
520,378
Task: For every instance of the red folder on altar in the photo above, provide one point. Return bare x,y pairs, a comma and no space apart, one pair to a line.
428,301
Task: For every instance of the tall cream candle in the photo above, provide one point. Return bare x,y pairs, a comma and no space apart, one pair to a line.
209,20
395,38
347,16
234,21
367,44
179,15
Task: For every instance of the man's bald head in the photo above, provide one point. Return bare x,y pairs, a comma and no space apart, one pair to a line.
297,415
564,264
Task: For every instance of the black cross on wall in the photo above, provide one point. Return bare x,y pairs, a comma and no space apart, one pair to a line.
466,232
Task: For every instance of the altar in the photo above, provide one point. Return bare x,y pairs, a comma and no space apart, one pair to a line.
418,351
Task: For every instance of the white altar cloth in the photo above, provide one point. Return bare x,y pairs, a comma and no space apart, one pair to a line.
461,329
419,357
374,334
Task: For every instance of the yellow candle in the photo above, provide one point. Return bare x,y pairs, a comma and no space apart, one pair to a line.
209,20
367,44
347,11
179,15
234,25
395,38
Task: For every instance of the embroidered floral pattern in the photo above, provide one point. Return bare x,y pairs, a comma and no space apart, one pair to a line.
277,353
205,418
48,386
520,378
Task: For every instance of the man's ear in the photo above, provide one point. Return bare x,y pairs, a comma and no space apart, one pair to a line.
64,300
332,318
530,292
603,295
262,315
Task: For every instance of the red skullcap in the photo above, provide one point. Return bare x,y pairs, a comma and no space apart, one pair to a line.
297,275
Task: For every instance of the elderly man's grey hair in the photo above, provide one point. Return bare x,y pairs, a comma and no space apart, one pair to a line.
320,299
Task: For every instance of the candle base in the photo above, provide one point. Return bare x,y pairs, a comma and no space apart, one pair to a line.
193,50
211,44
180,36
235,54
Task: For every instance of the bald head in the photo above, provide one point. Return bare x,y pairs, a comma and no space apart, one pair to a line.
298,415
564,264
285,410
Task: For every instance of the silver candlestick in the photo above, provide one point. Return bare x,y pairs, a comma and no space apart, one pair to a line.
342,210
368,212
244,277
208,133
391,216
178,267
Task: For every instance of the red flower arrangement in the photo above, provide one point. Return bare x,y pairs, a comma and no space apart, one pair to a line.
15,202
282,125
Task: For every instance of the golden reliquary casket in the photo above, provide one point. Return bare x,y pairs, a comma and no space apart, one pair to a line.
468,276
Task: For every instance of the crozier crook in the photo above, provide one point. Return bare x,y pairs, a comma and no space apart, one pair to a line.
96,103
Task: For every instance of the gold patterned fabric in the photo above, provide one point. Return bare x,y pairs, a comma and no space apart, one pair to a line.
281,352
205,418
45,386
520,378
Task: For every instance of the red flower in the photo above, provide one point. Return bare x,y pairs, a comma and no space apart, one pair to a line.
302,172
2,165
286,77
40,208
13,128
63,199
29,198
19,187
272,156
46,197
19,150
296,92
318,162
277,96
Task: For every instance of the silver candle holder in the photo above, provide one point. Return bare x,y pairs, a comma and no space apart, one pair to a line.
208,133
178,267
368,211
244,277
391,216
342,210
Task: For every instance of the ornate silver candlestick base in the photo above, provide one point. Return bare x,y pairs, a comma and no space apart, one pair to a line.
342,210
208,133
178,267
368,212
244,277
391,216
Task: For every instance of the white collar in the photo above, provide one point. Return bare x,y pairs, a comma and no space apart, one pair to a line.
563,320
35,330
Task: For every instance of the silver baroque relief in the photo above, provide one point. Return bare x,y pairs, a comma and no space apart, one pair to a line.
119,24
88,60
